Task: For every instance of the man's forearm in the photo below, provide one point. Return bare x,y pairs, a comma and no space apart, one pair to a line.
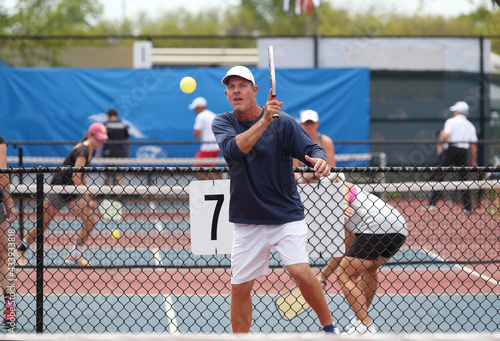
245,141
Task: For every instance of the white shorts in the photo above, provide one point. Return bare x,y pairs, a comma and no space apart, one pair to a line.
252,247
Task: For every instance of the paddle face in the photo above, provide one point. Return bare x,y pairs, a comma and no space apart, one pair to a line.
291,304
111,210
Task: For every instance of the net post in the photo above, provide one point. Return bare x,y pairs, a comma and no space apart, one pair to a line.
39,252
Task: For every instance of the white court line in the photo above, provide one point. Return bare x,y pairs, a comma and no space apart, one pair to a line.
157,256
169,306
158,224
467,269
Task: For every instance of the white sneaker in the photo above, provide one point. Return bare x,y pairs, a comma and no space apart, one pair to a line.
352,324
430,207
362,329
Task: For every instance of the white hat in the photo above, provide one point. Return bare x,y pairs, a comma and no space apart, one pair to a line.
309,115
198,102
461,107
240,71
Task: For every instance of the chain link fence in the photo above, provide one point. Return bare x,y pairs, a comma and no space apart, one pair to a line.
142,275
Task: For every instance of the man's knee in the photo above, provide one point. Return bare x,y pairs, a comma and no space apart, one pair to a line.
241,291
300,272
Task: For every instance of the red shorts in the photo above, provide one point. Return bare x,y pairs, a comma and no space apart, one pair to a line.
205,154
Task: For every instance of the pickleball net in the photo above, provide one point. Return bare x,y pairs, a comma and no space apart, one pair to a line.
149,281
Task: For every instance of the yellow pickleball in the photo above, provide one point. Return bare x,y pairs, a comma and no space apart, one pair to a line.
188,85
115,233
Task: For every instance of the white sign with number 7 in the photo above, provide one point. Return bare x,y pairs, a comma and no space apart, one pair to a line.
211,231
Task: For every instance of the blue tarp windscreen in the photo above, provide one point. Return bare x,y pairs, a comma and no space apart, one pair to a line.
58,104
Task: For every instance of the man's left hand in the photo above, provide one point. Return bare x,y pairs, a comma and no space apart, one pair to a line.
321,167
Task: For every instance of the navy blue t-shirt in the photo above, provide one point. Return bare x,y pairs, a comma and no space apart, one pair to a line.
263,187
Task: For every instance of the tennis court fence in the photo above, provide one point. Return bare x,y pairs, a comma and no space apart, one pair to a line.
144,275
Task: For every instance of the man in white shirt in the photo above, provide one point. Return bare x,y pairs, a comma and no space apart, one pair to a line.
203,130
460,135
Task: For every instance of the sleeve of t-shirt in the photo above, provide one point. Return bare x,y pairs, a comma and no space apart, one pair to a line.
83,150
473,134
2,140
447,127
198,123
225,134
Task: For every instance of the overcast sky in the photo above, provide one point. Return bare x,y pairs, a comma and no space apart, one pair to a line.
115,9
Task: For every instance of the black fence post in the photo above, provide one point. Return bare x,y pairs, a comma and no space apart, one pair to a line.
39,252
21,198
481,157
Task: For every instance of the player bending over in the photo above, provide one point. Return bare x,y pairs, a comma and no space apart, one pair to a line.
81,206
380,231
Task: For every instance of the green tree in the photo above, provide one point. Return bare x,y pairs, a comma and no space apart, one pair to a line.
51,17
44,18
250,18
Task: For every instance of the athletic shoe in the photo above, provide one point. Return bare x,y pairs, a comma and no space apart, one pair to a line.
78,260
331,328
466,211
430,207
352,324
362,329
9,318
21,258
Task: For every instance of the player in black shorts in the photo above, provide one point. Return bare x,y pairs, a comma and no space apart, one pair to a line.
379,232
81,206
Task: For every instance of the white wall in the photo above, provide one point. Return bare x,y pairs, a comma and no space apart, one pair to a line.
409,54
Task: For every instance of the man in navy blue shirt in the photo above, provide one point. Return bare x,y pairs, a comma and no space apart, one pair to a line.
265,205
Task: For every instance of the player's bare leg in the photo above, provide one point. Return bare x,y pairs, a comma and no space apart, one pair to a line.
241,307
372,280
6,276
368,283
312,291
48,214
85,210
350,270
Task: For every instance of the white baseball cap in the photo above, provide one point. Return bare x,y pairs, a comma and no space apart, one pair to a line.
309,115
461,107
198,102
240,71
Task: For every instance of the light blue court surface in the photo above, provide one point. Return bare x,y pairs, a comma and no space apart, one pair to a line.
177,209
84,313
162,257
210,314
